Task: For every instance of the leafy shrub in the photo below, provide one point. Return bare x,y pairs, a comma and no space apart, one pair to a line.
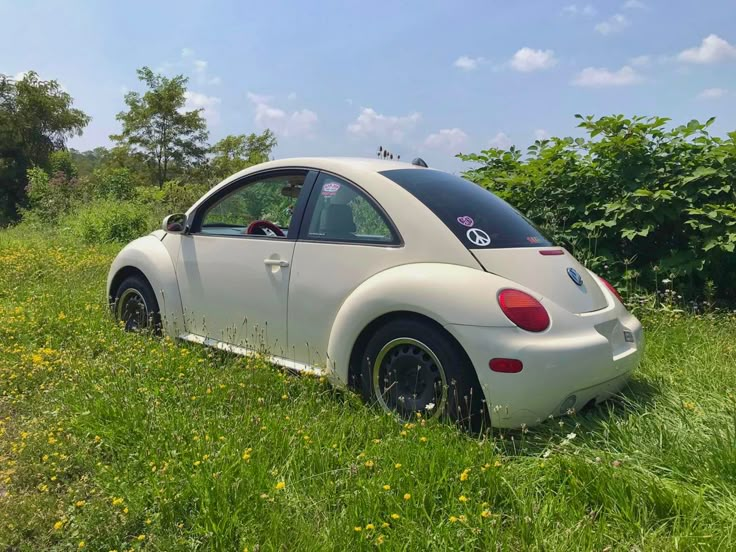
639,201
104,220
49,197
111,183
172,197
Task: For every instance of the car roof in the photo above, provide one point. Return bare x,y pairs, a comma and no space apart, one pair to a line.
365,163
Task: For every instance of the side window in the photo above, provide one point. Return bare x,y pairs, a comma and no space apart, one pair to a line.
338,211
263,207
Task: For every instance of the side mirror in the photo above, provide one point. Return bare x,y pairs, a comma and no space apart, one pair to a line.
175,223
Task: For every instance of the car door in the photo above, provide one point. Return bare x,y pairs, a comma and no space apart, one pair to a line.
345,238
235,263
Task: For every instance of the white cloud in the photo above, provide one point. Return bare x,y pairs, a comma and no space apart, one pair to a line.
574,9
197,100
371,123
712,93
614,24
640,61
468,63
19,76
711,50
200,73
541,134
295,123
500,140
187,52
634,5
448,139
527,60
602,77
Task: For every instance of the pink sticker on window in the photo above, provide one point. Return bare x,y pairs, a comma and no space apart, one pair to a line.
466,221
329,189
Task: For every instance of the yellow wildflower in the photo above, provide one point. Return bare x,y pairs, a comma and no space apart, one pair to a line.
370,527
464,474
397,466
395,516
387,487
82,544
463,498
79,503
58,525
280,486
357,529
485,514
141,537
407,496
453,519
369,464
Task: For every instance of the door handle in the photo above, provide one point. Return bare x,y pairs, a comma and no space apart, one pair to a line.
276,262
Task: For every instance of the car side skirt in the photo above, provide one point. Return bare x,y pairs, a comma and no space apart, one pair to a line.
285,363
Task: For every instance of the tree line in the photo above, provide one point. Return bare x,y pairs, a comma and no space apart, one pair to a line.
159,141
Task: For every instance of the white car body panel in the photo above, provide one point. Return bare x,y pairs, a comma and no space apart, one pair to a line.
315,308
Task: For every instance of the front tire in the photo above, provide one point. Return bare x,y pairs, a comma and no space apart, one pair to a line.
135,305
412,366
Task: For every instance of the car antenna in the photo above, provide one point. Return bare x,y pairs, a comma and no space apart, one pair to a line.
419,162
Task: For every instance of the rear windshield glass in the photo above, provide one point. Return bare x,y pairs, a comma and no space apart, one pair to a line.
478,218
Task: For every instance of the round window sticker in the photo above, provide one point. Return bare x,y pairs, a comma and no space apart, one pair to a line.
478,237
329,189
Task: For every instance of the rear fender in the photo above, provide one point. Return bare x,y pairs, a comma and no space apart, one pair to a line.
448,294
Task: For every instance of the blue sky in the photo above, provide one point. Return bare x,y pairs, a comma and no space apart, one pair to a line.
427,78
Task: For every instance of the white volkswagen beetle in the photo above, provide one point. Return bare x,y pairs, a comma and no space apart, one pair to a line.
422,290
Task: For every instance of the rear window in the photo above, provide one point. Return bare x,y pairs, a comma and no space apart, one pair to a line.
477,217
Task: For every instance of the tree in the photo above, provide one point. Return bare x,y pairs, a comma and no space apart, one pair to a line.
157,127
36,119
236,152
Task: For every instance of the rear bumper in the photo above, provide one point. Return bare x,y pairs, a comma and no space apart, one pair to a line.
578,359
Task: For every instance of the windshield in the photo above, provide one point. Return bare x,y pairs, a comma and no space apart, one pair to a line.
477,217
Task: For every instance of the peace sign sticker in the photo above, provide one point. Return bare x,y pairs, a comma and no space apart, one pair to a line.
478,237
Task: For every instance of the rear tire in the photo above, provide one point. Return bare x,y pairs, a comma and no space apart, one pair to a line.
411,366
136,307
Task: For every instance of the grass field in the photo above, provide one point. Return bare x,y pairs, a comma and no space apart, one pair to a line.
114,441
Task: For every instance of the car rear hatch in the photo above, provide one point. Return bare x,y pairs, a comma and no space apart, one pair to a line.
551,271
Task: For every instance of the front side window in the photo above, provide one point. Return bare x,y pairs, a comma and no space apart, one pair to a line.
478,218
339,212
263,208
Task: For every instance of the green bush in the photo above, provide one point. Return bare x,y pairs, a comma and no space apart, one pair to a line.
104,221
111,183
640,202
49,196
172,197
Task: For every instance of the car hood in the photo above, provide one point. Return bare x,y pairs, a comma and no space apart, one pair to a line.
551,276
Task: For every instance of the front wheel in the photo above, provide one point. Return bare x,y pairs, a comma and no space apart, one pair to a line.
135,305
411,366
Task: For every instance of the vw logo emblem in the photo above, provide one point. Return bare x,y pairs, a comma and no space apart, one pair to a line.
575,276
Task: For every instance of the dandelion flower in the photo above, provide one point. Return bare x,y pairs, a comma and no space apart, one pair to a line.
407,496
485,514
397,466
395,516
357,529
379,540
141,537
79,503
453,519
370,527
82,544
280,486
369,464
423,439
387,487
58,525
117,501
463,498
464,474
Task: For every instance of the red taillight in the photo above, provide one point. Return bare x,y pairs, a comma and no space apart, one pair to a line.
523,310
506,365
612,289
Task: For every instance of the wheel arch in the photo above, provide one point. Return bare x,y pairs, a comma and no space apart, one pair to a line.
148,258
361,342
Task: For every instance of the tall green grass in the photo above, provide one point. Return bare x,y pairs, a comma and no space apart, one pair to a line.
115,441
